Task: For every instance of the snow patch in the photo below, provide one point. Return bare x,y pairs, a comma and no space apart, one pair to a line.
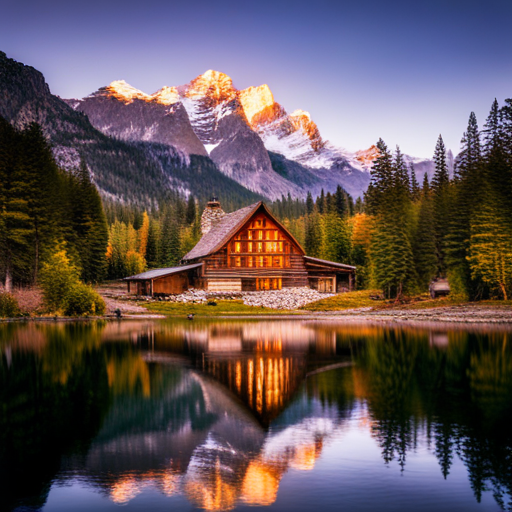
210,147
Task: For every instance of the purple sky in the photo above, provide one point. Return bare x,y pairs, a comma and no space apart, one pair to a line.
401,70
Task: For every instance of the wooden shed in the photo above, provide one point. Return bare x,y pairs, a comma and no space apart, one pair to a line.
329,276
164,281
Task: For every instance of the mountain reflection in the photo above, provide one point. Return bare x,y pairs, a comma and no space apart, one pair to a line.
220,411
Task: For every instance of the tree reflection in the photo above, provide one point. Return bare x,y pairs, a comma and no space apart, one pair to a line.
458,393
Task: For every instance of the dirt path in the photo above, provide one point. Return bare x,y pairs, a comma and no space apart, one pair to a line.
114,295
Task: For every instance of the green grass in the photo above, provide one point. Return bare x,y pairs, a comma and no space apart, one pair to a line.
349,300
223,307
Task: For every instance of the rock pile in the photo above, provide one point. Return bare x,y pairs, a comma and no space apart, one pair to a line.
288,298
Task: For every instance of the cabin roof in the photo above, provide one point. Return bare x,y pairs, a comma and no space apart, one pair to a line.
226,228
161,272
318,261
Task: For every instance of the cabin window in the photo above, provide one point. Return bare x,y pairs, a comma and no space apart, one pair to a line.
278,261
258,222
268,283
260,234
280,245
238,247
260,247
250,261
250,246
260,261
249,235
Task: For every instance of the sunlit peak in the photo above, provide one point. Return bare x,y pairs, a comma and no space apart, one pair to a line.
256,99
214,76
300,113
125,92
167,95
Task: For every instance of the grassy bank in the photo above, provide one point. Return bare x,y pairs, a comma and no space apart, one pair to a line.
223,307
349,300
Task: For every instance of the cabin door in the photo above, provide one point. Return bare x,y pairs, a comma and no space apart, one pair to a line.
325,285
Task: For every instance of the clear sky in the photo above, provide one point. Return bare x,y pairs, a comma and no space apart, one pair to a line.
403,70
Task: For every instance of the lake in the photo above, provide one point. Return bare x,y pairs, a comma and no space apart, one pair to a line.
289,415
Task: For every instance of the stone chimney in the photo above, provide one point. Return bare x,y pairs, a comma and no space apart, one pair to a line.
211,215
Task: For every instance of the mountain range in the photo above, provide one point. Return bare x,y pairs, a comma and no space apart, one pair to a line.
204,138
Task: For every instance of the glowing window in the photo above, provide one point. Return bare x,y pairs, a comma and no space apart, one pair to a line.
238,247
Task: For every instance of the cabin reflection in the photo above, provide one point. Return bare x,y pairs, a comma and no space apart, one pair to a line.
262,363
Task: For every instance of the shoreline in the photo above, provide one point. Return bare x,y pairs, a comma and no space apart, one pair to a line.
461,314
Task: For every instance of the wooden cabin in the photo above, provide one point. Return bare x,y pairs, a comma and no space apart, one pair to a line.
247,250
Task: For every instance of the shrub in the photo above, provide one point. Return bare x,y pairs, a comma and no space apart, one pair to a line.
57,276
82,300
8,305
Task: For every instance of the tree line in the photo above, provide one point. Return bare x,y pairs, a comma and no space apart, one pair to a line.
459,227
44,209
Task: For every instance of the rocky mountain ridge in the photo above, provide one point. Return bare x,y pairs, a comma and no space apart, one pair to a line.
135,171
237,128
245,132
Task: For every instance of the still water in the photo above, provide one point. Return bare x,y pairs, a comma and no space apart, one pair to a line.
283,415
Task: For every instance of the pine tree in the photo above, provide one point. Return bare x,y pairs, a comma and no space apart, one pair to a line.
90,225
144,235
490,253
464,196
15,223
191,210
153,246
424,247
310,205
440,184
342,202
313,235
415,186
170,245
320,203
377,195
389,201
40,173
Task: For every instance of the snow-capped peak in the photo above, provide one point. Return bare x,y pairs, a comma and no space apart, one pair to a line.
167,95
125,92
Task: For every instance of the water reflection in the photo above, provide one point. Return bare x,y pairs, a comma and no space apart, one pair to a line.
219,412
